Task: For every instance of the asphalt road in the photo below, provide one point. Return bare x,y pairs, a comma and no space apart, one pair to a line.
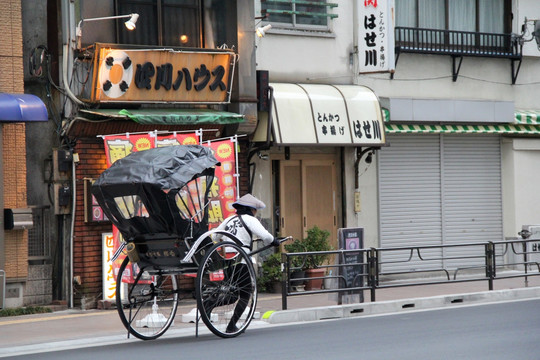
508,330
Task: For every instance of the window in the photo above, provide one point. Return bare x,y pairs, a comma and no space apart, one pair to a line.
299,14
164,22
488,16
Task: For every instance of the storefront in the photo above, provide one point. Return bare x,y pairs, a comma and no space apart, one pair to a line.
442,180
146,98
315,130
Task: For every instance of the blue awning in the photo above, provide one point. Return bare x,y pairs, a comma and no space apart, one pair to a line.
22,107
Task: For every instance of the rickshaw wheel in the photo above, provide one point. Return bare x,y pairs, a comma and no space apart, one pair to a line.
146,304
226,289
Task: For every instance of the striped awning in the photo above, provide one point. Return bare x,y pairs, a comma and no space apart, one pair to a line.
510,129
525,123
531,117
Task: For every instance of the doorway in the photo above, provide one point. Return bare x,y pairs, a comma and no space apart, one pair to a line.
308,195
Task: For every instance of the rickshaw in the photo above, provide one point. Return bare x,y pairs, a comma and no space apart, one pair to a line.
158,200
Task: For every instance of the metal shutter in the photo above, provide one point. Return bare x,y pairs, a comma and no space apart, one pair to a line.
439,189
472,195
410,199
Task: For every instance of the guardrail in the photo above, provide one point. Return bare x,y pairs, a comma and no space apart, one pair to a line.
483,262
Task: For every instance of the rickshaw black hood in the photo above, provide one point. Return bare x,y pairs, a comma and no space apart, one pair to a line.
156,176
168,167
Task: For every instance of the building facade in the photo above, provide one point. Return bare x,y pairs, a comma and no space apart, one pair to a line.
16,277
63,42
460,120
439,145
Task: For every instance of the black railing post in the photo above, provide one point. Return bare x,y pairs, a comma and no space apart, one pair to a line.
285,280
490,263
372,272
525,261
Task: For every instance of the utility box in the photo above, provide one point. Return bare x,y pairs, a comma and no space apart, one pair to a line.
18,219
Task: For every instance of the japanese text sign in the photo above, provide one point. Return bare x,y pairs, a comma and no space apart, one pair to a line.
162,75
376,36
327,114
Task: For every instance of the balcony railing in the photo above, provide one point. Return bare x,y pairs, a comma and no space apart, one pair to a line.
458,44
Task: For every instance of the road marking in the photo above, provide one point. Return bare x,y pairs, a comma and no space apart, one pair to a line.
47,318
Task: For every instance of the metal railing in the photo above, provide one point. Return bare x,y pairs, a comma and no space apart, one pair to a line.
482,262
457,43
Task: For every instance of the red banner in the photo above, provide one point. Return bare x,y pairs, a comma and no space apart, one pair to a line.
223,191
118,147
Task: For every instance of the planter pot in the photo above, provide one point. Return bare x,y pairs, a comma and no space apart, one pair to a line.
315,284
297,275
276,287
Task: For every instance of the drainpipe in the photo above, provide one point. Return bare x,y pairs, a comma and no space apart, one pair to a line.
354,52
68,17
268,142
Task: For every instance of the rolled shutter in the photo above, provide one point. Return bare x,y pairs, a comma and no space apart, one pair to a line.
435,190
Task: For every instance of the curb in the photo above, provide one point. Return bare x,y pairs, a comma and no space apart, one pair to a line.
397,306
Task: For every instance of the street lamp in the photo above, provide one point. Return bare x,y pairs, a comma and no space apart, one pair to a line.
130,24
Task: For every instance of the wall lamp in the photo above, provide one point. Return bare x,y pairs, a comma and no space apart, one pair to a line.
130,24
261,31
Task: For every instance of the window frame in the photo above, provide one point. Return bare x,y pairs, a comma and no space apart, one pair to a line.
294,25
507,16
160,5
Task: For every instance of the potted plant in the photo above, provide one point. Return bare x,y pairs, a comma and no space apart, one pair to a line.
270,279
316,240
297,263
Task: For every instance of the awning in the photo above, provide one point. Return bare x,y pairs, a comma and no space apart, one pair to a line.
510,129
527,117
22,107
526,122
169,116
340,115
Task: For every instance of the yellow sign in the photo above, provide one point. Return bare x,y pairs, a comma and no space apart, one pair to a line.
162,75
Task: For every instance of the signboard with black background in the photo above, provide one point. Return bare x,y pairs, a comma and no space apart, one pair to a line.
351,239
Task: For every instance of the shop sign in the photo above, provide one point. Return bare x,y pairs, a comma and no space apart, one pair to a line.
376,36
109,268
162,75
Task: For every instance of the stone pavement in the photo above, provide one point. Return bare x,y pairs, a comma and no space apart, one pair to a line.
75,327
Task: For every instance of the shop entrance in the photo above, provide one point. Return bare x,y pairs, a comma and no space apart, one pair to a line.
308,196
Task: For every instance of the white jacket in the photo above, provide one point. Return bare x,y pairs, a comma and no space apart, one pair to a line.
234,226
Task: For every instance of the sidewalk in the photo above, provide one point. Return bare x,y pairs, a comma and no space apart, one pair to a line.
21,334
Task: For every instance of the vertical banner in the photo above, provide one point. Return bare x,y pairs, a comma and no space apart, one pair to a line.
109,273
376,36
118,147
223,191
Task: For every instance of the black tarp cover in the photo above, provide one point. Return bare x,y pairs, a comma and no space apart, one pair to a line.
154,175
